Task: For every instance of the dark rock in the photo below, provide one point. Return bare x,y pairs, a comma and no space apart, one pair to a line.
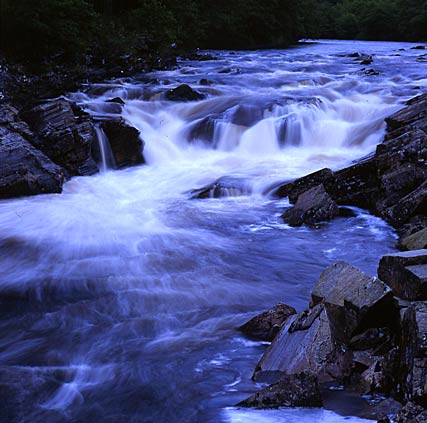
409,414
125,142
371,72
415,224
414,353
298,390
24,170
205,81
418,48
346,212
406,274
416,241
203,130
223,187
371,338
313,206
183,93
416,111
353,300
295,188
383,419
117,100
266,325
66,139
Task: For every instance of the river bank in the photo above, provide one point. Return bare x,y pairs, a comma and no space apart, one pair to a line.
123,295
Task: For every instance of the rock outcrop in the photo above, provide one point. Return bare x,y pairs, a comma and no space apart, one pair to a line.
64,137
24,170
183,93
392,183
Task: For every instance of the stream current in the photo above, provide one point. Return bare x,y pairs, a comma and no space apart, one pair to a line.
124,295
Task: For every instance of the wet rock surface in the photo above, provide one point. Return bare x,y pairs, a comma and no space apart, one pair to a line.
24,170
265,326
312,207
125,142
65,138
223,187
299,390
183,93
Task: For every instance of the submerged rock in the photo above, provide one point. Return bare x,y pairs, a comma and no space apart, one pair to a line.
313,206
299,390
183,93
223,187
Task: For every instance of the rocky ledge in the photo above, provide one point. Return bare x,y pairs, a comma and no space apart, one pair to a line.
367,334
391,184
43,146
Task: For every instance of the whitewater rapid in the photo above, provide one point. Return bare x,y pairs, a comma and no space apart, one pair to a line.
134,292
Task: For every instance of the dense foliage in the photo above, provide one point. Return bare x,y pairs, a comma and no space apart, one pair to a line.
70,30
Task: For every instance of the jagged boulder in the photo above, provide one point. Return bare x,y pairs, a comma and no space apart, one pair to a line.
353,300
411,413
299,390
304,344
24,170
125,142
406,274
65,138
266,326
312,207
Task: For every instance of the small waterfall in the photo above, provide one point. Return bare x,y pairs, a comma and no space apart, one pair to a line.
105,158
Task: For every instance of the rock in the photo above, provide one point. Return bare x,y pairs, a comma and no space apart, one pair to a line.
295,188
24,170
414,224
416,111
203,130
223,187
183,93
298,390
383,419
406,274
205,81
125,142
65,138
371,72
416,241
117,100
354,301
313,206
266,325
418,48
371,338
310,349
409,414
414,353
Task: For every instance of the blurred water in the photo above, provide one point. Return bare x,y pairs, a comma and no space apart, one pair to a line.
132,293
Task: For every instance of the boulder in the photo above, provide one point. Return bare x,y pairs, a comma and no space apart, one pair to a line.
416,111
302,348
406,274
372,338
116,100
295,188
353,300
223,187
125,142
65,138
266,326
298,390
24,170
183,93
416,241
313,206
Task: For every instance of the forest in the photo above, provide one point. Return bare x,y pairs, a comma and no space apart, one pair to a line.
35,31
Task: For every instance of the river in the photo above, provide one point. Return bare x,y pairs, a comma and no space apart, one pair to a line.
121,296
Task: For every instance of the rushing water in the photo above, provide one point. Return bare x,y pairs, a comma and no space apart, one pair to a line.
123,296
